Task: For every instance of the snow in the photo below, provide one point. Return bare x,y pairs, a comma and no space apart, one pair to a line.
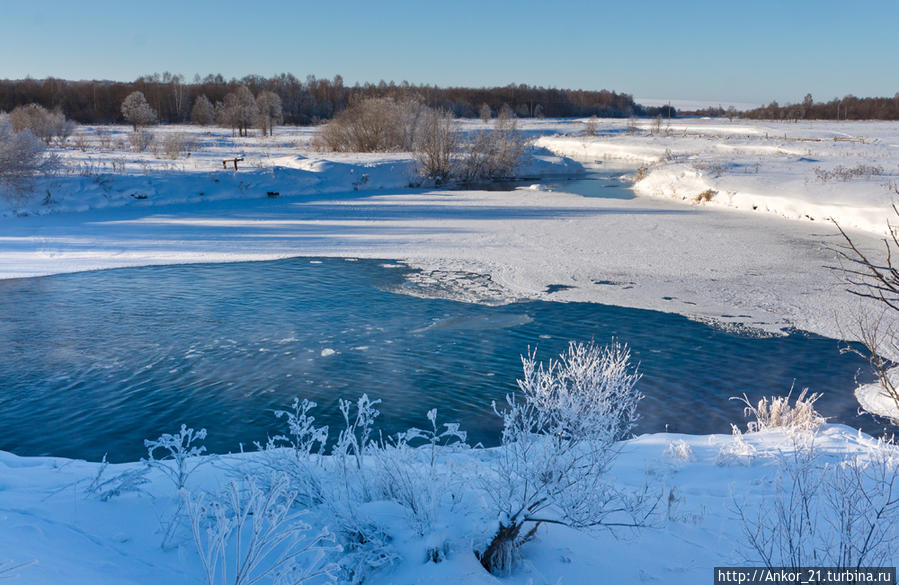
73,537
761,167
873,398
733,260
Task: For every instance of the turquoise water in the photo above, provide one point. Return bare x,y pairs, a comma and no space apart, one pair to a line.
94,363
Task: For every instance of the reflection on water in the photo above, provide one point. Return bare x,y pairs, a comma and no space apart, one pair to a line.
95,362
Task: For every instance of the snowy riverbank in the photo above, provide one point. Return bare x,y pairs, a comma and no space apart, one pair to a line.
809,171
58,524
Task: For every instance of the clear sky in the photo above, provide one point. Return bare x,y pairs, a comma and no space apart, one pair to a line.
752,51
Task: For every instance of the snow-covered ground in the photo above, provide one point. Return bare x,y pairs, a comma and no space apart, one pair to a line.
809,171
650,253
733,259
55,519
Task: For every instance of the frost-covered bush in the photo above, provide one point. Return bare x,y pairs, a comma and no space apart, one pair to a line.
559,439
22,157
107,487
180,457
45,125
363,474
680,450
247,535
777,412
736,451
842,514
494,154
408,473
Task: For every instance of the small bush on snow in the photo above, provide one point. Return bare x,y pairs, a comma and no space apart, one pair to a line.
247,535
180,457
736,451
559,437
680,450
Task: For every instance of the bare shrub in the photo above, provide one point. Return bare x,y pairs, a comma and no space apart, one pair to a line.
821,513
176,144
373,125
105,139
140,140
714,168
777,412
558,441
632,127
736,451
876,280
435,149
493,154
81,142
590,126
705,196
45,125
846,174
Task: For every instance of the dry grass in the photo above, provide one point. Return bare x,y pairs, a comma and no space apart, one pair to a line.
777,412
706,195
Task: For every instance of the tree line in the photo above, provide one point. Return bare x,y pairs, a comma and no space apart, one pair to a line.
303,101
845,108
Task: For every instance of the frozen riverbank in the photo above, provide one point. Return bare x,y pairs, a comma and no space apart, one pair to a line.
63,521
809,171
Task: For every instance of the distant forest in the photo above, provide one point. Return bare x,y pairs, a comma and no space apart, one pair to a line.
307,101
847,108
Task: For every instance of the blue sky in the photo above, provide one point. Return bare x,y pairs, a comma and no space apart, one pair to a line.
717,51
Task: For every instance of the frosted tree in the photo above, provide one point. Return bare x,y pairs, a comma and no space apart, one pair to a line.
239,110
485,113
270,114
137,111
203,112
